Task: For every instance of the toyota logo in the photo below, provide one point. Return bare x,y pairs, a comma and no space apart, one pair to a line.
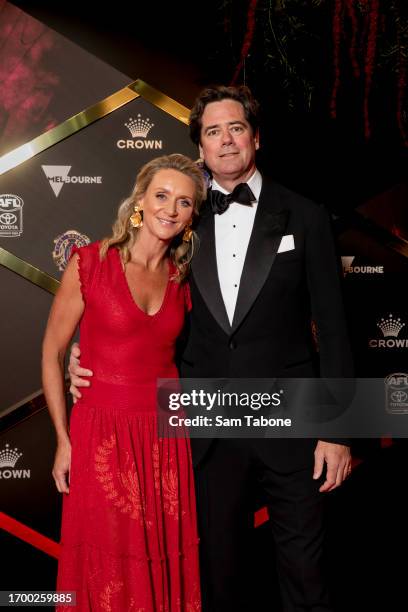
399,396
8,218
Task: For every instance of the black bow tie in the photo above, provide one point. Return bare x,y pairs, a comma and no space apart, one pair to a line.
220,201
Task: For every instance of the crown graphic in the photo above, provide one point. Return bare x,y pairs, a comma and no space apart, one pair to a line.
9,457
390,326
139,127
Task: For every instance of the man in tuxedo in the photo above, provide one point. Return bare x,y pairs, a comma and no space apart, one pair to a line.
266,268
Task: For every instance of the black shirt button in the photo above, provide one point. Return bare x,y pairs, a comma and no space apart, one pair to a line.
232,345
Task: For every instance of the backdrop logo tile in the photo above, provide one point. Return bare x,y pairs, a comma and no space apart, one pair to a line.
348,267
11,215
396,393
139,129
9,457
390,328
64,244
58,176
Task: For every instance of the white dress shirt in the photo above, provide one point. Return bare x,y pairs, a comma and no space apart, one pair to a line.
232,233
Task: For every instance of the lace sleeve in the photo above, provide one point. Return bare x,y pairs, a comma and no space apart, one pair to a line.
87,261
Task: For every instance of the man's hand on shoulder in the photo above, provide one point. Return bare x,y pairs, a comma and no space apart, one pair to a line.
77,374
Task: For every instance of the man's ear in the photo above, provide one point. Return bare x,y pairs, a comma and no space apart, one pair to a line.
200,149
257,140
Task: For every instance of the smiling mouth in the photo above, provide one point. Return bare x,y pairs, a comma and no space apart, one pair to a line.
166,221
229,154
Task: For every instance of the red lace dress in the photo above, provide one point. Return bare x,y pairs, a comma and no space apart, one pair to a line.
129,536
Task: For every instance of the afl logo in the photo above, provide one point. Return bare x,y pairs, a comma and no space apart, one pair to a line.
11,215
64,245
396,393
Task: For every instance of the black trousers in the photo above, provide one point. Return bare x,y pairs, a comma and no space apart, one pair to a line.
226,481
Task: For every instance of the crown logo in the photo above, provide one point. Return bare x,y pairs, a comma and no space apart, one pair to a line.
139,127
9,457
390,326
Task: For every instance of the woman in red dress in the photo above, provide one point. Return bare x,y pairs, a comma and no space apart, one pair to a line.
129,537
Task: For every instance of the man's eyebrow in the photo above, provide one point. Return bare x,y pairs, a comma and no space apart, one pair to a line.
235,122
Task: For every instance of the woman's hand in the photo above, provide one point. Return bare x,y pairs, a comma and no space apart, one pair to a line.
62,466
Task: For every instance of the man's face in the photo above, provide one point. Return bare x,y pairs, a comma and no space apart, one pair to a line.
228,144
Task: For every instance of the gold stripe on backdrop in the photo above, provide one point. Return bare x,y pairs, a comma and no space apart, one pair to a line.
29,272
66,128
159,99
90,115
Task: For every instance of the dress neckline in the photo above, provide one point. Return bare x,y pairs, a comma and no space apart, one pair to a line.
128,291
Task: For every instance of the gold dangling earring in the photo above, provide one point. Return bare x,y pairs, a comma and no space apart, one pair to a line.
188,232
136,220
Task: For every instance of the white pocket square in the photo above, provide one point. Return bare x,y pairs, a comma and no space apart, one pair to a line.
287,244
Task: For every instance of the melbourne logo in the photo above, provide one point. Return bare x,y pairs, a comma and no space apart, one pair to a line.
396,393
58,176
390,328
139,129
64,244
11,215
8,460
348,267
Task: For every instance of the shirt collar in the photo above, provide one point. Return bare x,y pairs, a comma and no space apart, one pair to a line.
254,183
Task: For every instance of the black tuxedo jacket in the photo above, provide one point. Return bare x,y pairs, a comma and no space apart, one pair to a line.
279,295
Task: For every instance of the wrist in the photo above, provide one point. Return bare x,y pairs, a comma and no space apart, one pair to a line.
63,439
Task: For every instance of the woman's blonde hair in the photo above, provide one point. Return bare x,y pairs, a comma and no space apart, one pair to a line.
124,235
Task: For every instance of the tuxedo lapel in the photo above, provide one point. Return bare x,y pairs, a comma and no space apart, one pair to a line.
269,227
204,268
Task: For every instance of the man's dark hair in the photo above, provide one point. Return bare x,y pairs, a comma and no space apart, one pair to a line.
217,93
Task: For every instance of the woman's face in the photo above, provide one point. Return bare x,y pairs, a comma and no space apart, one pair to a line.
168,204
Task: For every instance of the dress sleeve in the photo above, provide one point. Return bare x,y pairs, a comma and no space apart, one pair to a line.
88,257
